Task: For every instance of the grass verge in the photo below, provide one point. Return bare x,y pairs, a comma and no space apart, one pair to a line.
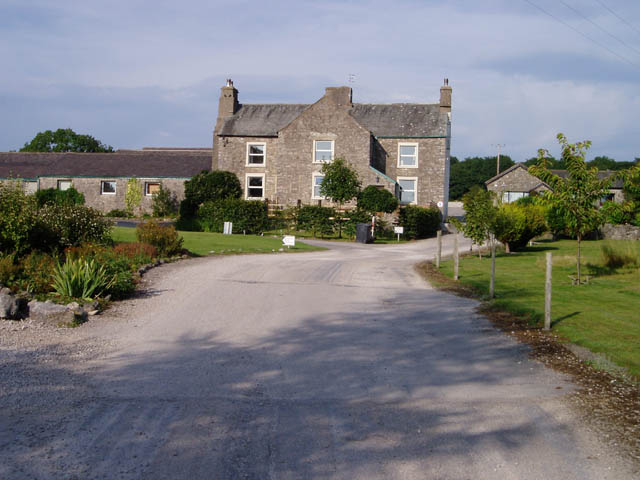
204,243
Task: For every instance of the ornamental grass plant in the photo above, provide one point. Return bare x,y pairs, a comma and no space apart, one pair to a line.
81,278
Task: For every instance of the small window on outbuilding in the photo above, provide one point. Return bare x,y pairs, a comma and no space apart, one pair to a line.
108,187
150,188
64,184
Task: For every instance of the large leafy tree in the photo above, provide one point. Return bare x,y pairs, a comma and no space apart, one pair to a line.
480,214
209,186
65,140
340,183
474,171
575,197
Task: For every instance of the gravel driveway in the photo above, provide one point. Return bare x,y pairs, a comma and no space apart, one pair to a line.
339,364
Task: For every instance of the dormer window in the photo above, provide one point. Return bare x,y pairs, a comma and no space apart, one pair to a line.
256,154
322,151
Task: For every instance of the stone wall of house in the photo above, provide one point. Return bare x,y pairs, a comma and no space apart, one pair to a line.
517,180
29,186
91,189
620,232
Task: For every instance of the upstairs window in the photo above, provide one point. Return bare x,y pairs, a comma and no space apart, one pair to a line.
108,187
64,184
256,154
408,155
322,151
255,187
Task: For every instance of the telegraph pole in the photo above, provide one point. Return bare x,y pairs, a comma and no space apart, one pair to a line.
500,146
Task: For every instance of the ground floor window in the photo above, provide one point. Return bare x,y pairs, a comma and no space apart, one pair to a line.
255,187
150,188
408,189
64,184
317,181
108,187
509,197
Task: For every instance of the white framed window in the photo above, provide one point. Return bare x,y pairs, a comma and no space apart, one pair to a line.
407,155
64,184
508,197
256,154
408,190
150,188
317,181
255,186
108,187
323,151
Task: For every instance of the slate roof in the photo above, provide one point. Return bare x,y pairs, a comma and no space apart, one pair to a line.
260,120
150,164
505,172
602,174
391,120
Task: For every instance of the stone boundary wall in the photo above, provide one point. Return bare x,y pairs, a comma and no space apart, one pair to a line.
620,232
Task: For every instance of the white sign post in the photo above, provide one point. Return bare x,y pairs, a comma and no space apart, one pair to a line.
228,228
399,231
289,241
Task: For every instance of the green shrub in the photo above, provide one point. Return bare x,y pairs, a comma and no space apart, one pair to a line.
209,186
164,203
9,271
556,221
80,278
617,254
37,268
614,213
420,222
374,199
316,219
17,218
119,213
164,238
49,196
354,217
138,253
61,226
249,216
515,225
189,224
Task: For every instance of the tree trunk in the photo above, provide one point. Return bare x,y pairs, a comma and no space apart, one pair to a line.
506,247
578,259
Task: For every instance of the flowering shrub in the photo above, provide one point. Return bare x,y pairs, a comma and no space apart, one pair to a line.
60,226
165,238
139,253
36,270
17,218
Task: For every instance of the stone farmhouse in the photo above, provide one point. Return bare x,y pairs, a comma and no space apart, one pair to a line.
102,177
516,182
277,150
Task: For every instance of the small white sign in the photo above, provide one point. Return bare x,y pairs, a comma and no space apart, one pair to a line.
228,228
398,230
440,204
289,240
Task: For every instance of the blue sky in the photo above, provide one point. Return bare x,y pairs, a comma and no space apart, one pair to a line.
138,73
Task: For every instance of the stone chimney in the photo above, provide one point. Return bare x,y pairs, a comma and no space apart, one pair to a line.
445,97
228,100
341,96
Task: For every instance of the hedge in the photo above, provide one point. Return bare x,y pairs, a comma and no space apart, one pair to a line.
420,222
247,216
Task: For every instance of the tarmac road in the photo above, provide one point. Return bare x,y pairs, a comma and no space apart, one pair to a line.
340,364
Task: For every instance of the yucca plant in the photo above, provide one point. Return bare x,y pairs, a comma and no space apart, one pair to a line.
80,278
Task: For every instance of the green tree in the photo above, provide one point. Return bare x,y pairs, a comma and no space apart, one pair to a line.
65,140
480,214
340,184
552,163
374,199
575,197
208,186
474,171
164,203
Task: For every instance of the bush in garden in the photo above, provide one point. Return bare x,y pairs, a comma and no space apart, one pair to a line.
17,218
164,238
69,196
316,219
515,225
138,253
373,199
61,226
208,186
164,203
119,213
9,271
249,216
420,222
81,278
37,268
354,217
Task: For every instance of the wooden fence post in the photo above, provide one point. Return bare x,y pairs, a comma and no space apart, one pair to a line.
492,283
439,251
547,293
456,257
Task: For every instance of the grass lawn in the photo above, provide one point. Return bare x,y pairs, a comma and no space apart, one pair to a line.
603,316
203,243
